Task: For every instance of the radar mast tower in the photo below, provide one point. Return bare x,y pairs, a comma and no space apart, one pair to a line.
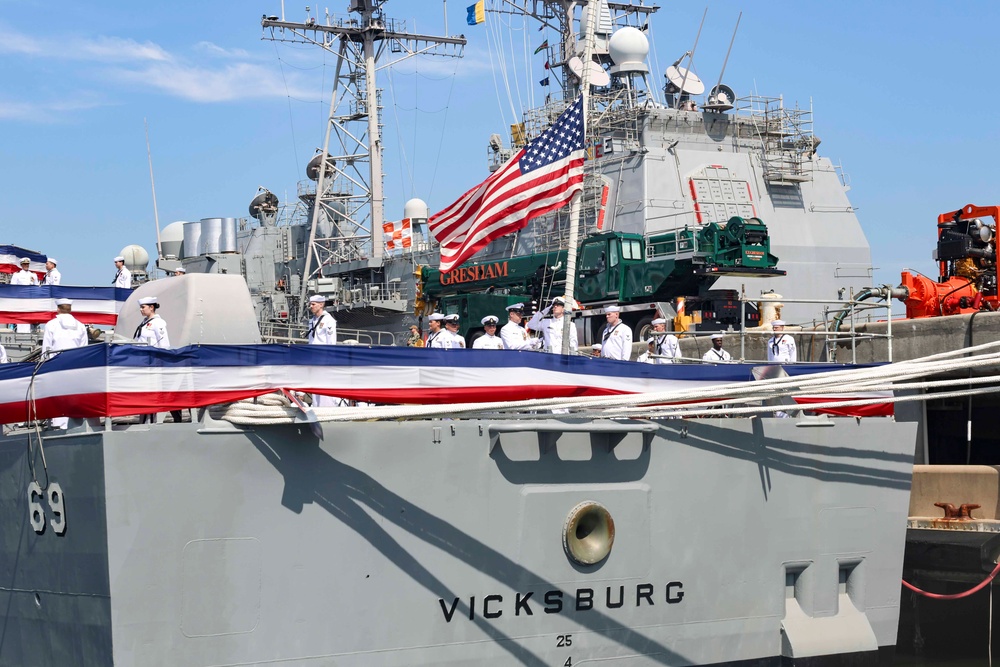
349,198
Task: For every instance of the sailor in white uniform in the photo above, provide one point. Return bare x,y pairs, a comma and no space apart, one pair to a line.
717,354
322,325
24,277
437,337
616,339
64,332
647,356
489,340
667,348
123,278
153,330
781,346
322,331
180,271
52,275
4,359
513,334
553,327
453,340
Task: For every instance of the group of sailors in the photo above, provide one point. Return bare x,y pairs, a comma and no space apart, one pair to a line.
28,277
616,337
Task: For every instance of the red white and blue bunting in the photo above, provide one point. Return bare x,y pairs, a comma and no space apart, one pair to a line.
115,380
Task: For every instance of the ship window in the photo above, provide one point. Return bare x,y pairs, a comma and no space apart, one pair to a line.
631,249
614,254
592,259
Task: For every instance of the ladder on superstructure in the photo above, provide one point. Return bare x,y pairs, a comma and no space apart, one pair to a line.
350,198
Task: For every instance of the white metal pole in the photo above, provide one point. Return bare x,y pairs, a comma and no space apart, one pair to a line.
576,205
152,182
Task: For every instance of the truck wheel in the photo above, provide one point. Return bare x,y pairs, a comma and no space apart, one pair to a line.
471,337
642,329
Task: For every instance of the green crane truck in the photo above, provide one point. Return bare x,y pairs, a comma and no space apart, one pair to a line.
643,275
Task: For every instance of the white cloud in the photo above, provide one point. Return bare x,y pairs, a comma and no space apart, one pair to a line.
103,49
115,49
240,81
13,42
45,112
222,52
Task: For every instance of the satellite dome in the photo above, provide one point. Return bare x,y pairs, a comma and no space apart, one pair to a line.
171,239
628,48
416,209
136,257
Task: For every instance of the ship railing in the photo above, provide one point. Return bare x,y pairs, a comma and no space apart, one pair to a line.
683,247
837,327
298,334
368,293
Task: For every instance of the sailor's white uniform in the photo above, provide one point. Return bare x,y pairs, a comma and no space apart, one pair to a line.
781,348
451,340
63,333
3,355
439,339
666,347
52,277
616,341
323,330
488,342
153,332
123,278
24,277
552,331
515,337
717,355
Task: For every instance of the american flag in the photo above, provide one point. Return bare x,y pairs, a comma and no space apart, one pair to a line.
542,177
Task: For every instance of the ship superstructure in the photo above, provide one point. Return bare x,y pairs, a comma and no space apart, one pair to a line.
665,154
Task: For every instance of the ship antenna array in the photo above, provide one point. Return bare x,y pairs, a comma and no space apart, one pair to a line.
690,54
343,191
725,62
152,183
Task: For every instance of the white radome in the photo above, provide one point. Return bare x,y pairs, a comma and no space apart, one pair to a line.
416,209
628,48
136,257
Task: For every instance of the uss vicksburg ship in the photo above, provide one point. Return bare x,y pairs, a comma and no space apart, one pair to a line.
514,537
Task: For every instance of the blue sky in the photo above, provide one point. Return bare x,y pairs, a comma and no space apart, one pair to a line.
904,97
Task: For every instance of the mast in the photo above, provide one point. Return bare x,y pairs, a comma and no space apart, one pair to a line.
575,203
350,197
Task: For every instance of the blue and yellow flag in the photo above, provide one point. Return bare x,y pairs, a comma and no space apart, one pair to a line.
477,13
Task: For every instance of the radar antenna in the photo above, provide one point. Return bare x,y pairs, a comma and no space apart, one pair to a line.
722,98
681,79
358,39
264,207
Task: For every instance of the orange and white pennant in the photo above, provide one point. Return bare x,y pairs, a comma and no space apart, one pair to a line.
397,234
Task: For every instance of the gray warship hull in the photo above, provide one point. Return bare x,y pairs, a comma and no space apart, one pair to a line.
440,542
